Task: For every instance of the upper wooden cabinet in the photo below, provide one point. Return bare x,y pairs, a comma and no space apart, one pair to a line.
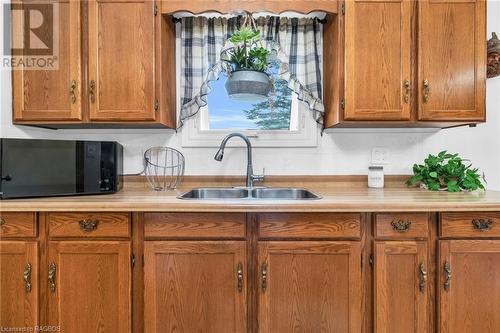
452,58
378,62
121,60
112,79
52,94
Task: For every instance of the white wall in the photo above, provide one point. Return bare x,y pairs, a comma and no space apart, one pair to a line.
338,151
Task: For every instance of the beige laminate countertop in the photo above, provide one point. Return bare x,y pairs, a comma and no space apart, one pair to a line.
344,195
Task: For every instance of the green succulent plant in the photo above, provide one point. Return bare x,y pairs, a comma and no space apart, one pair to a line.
446,171
247,52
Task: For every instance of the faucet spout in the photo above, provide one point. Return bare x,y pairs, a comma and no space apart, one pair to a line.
220,155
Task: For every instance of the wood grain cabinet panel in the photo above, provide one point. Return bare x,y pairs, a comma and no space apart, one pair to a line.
121,60
89,286
470,225
452,58
45,95
309,225
401,225
18,225
18,284
469,287
194,225
85,225
309,286
401,287
377,55
195,286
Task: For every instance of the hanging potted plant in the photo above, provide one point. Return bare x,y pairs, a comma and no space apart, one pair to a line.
247,63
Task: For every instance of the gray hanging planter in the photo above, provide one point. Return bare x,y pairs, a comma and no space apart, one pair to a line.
248,85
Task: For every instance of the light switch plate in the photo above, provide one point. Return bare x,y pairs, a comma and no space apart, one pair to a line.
380,156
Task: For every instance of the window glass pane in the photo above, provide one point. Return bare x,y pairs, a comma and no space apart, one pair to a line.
271,114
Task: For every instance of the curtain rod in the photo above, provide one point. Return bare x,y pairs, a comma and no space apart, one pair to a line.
178,20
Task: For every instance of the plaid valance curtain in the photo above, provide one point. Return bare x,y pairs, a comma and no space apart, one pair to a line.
297,42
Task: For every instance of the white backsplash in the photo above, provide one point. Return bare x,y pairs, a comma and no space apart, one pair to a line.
339,152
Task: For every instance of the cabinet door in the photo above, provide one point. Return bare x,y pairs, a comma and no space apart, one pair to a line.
452,60
378,46
54,93
89,286
18,284
469,286
309,286
121,60
401,289
195,286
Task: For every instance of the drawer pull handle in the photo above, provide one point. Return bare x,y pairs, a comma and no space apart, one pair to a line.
27,277
88,225
401,225
447,276
239,277
423,278
264,277
2,222
52,277
482,224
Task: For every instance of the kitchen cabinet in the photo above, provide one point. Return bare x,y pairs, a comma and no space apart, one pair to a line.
309,286
469,289
89,286
19,284
54,93
452,58
378,62
121,60
401,286
195,286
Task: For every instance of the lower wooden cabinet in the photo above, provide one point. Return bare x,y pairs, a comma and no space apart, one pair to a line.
469,286
89,286
309,286
18,284
195,286
401,287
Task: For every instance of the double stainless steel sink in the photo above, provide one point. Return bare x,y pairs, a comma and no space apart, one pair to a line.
262,193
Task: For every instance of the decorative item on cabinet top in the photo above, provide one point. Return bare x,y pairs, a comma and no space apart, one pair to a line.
493,56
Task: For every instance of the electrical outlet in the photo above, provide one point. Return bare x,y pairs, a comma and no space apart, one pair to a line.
380,156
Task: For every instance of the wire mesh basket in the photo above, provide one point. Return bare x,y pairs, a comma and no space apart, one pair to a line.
164,168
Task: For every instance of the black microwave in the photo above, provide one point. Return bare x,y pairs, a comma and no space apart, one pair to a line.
37,168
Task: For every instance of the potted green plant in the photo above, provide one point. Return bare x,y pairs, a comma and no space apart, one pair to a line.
446,172
246,65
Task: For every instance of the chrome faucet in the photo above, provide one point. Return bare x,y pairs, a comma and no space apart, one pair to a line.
220,154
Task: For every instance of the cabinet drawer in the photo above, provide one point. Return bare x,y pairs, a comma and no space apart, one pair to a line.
309,225
474,225
194,225
402,225
17,224
88,224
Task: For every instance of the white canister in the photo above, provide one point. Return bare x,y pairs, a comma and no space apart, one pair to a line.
376,176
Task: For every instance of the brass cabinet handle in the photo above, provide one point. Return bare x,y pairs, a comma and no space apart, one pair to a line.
52,277
88,225
92,91
401,225
447,275
482,224
2,222
407,91
27,277
427,91
264,277
72,93
239,276
423,277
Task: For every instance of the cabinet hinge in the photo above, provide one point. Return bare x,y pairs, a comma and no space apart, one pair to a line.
155,9
132,261
156,104
342,8
371,260
342,103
